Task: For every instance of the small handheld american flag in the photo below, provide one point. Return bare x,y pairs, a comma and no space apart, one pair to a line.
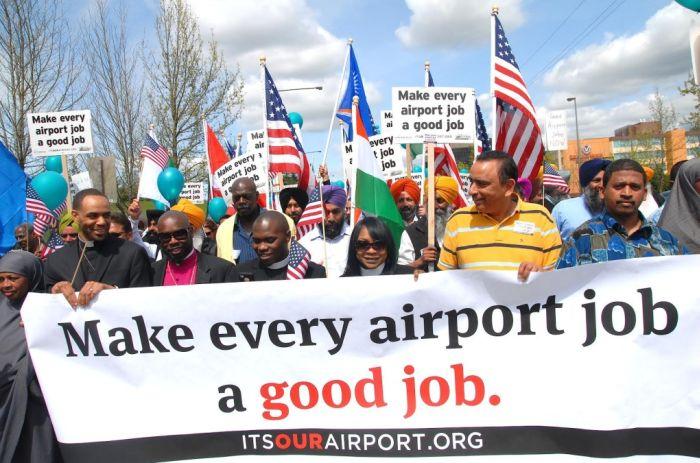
552,178
154,151
52,245
312,215
45,218
299,259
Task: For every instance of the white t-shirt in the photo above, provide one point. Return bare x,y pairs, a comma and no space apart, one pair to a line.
336,250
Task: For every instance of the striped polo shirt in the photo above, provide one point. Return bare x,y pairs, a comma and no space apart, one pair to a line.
478,242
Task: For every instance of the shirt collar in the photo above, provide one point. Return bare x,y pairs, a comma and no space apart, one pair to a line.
278,265
187,260
611,223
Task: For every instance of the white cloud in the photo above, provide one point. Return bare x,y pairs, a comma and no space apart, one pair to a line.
454,23
624,65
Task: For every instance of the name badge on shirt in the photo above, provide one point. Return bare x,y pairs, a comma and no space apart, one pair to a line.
525,228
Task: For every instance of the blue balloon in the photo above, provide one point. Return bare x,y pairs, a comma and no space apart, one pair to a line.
160,206
170,183
51,188
463,171
217,209
690,4
53,163
295,118
338,183
417,169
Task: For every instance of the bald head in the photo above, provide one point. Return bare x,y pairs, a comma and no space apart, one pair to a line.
273,221
270,237
175,235
243,182
177,218
244,197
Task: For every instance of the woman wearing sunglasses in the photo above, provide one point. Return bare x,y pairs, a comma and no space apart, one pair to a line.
372,251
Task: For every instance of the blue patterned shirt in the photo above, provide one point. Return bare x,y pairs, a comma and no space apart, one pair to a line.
602,239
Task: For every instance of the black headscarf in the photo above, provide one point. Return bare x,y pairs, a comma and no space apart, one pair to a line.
681,213
299,195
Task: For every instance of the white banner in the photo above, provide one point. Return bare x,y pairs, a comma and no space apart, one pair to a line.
433,114
598,361
387,122
389,155
555,133
66,132
195,192
251,164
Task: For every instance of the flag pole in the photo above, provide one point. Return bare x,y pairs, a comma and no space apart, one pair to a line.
337,100
431,200
426,84
266,151
206,150
239,138
494,122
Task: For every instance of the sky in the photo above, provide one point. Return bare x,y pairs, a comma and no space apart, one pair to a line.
611,55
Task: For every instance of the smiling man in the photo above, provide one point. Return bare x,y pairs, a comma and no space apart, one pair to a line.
621,231
96,260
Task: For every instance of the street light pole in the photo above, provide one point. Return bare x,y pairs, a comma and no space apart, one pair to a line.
578,140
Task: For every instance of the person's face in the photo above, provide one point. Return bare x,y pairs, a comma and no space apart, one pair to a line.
624,193
117,231
334,217
406,206
209,233
370,252
697,185
597,182
245,199
93,217
175,238
14,286
536,196
293,210
489,195
20,234
441,205
152,226
269,243
69,234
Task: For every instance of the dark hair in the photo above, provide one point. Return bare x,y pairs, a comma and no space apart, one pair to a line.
507,167
623,164
82,194
674,170
122,220
379,232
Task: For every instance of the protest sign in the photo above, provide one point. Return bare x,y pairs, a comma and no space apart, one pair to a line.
433,114
555,134
388,154
387,122
255,140
195,192
65,132
251,164
598,361
81,181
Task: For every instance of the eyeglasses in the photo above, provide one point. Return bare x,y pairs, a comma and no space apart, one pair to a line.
115,235
179,235
69,235
363,246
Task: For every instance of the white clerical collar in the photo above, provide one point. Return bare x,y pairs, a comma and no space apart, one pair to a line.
368,272
86,243
278,265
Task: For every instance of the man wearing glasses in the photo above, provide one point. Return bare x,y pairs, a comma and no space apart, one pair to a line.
184,265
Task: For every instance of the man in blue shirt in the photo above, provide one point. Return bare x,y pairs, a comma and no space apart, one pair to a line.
621,231
233,238
571,213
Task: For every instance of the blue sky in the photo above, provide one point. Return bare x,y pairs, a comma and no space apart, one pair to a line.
636,47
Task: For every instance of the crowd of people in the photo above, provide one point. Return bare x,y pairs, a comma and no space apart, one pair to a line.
506,228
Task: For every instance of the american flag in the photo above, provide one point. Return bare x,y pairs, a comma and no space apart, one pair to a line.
483,143
312,215
44,217
299,259
551,178
155,152
517,132
285,152
52,245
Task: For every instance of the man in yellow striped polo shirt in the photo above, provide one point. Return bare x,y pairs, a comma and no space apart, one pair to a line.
500,231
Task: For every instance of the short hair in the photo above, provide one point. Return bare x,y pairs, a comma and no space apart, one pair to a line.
82,194
674,170
29,228
379,232
507,168
122,220
623,164
211,224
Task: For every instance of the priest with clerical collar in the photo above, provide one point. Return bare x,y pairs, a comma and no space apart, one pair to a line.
95,261
271,239
183,264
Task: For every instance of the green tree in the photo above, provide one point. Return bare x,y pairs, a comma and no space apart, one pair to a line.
691,88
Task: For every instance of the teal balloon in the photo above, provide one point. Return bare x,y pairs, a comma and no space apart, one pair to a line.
54,164
296,118
338,183
51,188
170,183
160,206
417,169
217,209
463,171
690,4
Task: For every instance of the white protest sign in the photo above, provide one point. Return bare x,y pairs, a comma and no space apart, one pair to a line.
250,165
433,114
81,181
255,140
66,132
556,131
596,361
389,155
195,192
387,122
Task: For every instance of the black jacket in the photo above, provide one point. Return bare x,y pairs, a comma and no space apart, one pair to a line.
252,271
418,233
398,270
210,269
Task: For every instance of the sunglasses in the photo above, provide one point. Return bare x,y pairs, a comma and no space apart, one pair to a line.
179,235
69,235
366,245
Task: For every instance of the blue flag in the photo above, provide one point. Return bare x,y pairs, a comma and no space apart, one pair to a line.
230,149
431,82
355,88
13,197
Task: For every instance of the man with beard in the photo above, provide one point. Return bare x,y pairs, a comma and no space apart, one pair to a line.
152,216
571,213
500,231
337,239
293,202
149,241
271,241
406,194
26,239
183,264
96,260
414,250
621,231
234,240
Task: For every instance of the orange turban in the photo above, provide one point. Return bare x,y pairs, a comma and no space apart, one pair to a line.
405,185
194,213
446,188
649,173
